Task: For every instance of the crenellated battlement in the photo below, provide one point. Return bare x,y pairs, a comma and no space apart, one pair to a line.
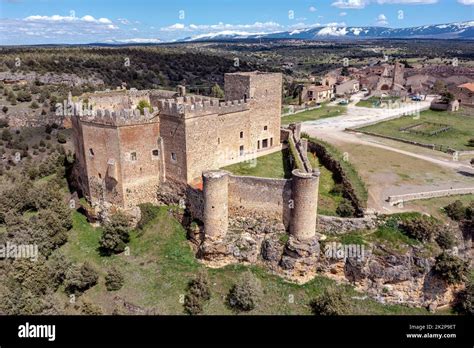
123,117
189,107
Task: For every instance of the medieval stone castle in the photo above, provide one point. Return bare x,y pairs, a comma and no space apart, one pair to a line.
125,156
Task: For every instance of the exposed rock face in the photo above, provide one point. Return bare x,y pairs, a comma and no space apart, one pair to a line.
393,278
300,258
338,225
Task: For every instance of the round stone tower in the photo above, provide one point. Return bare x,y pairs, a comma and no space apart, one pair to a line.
215,192
305,187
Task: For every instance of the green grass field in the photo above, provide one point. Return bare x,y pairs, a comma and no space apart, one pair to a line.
461,123
275,165
322,112
161,263
328,200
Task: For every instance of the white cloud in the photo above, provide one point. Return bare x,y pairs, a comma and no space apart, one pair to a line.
124,21
104,20
466,2
342,14
59,18
312,9
359,4
407,2
352,4
381,20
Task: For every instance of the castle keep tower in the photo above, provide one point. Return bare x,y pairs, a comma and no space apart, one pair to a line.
215,191
305,187
118,156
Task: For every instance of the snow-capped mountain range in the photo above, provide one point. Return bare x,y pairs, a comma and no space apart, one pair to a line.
461,30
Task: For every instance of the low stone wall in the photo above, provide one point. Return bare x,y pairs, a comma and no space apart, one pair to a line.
335,225
396,199
340,176
264,197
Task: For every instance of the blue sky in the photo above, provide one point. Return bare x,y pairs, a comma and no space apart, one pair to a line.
85,21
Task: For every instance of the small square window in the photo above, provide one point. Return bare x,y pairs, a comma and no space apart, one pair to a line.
91,152
265,127
155,153
241,135
133,156
174,157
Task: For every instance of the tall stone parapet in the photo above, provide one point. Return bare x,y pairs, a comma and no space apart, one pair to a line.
215,192
305,187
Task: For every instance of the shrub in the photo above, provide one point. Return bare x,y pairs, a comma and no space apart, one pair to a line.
6,135
455,210
79,278
470,142
89,308
48,137
246,293
3,123
465,300
58,267
148,212
422,228
5,109
338,189
115,235
114,280
345,208
61,138
23,96
331,302
34,105
142,104
450,268
198,293
445,239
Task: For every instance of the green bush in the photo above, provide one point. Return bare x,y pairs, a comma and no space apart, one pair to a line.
114,280
6,135
142,104
61,138
455,210
246,293
148,213
79,278
445,239
422,228
332,301
345,209
198,292
465,300
451,268
115,235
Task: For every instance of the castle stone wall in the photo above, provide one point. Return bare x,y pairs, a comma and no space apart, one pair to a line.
260,197
140,174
